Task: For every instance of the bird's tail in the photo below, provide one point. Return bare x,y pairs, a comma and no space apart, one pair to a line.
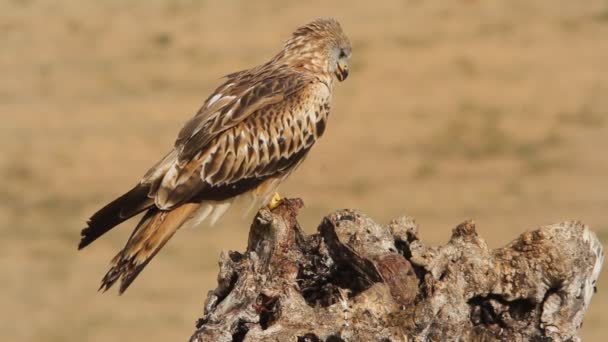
150,235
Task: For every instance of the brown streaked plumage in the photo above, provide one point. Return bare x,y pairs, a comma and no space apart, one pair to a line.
249,135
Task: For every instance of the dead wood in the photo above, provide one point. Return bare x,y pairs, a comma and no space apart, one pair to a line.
357,280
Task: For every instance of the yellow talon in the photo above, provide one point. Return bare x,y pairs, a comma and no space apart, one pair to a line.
275,201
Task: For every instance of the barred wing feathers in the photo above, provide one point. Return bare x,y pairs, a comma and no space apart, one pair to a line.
241,140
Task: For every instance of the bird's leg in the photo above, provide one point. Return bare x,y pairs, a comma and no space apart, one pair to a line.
275,201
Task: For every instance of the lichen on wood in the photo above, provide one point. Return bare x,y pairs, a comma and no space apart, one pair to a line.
357,280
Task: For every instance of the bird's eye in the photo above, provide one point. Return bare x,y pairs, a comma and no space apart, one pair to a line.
342,54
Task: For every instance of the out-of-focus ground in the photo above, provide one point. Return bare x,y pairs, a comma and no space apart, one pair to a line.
489,110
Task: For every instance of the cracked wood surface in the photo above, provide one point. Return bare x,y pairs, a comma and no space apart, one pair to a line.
357,280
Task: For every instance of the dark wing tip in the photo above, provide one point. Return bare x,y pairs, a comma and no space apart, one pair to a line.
85,238
121,209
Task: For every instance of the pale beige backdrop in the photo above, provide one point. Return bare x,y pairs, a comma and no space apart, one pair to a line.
489,110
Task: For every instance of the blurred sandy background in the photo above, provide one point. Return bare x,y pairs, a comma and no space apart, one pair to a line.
489,110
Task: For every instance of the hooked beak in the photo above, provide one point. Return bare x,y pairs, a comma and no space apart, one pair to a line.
342,71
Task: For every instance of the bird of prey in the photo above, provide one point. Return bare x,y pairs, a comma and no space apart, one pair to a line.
249,135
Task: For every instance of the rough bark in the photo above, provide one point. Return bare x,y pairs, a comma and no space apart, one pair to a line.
356,280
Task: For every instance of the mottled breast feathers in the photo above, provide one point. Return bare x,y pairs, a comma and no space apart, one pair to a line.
258,124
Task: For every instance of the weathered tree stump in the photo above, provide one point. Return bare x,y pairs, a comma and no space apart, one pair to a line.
356,280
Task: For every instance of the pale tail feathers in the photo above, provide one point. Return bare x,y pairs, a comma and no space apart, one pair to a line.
210,212
158,226
261,195
219,211
150,235
201,214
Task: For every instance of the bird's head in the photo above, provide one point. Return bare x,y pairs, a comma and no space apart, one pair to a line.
319,46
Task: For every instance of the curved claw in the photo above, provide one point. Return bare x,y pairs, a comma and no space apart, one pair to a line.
275,201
